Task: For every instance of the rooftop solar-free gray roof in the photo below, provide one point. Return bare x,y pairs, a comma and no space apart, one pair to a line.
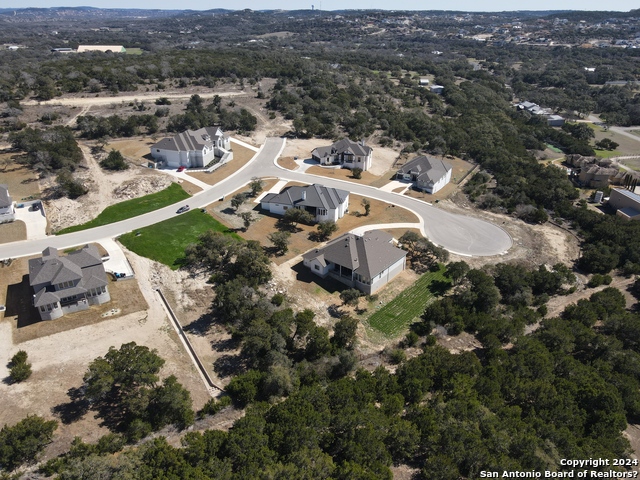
190,140
343,146
368,255
315,195
427,169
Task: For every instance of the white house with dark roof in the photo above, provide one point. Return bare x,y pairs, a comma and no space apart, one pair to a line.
324,203
192,148
427,173
346,153
7,205
626,203
67,284
366,262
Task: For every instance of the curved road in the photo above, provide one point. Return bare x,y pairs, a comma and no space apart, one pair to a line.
457,233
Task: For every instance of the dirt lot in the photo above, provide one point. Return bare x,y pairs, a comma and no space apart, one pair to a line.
22,181
13,231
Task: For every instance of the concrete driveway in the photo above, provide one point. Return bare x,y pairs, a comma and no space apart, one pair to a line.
35,221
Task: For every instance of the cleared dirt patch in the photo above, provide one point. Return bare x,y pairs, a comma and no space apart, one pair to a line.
241,156
13,231
22,182
288,163
344,174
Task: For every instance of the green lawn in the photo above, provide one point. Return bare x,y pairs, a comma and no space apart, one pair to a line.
132,208
554,149
607,153
165,241
394,317
134,51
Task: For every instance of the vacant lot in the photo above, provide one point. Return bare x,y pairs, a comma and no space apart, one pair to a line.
132,208
394,317
22,181
626,145
13,231
165,241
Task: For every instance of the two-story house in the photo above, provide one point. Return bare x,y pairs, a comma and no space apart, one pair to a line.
67,284
192,148
324,203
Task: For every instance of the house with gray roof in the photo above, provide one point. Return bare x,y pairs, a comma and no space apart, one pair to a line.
7,205
192,148
324,203
366,262
345,152
67,284
428,174
625,203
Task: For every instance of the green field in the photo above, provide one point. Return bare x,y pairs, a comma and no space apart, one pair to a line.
134,51
165,241
554,149
607,153
393,318
132,208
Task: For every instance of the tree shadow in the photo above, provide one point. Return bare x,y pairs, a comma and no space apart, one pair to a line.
73,410
439,287
226,345
229,211
200,326
228,365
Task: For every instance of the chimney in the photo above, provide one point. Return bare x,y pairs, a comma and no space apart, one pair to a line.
304,194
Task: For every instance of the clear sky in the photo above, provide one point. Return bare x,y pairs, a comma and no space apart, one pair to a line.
462,5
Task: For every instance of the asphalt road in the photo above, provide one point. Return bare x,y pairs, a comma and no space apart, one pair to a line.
457,233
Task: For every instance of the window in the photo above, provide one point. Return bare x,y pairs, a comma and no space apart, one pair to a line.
42,309
317,267
322,211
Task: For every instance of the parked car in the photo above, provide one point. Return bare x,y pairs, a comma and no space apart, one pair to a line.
182,168
183,209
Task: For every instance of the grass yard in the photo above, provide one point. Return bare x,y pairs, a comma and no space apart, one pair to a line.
165,241
607,153
394,317
132,208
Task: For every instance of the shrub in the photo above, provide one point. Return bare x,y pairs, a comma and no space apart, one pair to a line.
19,369
277,299
114,161
596,280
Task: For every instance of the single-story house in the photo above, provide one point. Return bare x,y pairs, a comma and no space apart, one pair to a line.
427,173
67,284
344,152
192,148
439,89
101,48
366,262
7,205
423,82
626,203
555,120
324,203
